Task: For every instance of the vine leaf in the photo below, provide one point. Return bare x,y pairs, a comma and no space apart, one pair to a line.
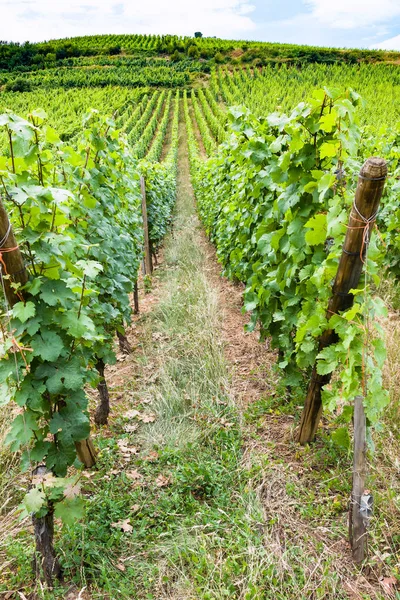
24,311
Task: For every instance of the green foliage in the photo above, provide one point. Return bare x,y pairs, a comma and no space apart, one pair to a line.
78,221
18,85
270,200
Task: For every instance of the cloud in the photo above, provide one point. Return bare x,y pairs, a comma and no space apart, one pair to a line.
351,14
390,44
45,19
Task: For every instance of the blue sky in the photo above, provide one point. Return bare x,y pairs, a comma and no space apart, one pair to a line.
349,23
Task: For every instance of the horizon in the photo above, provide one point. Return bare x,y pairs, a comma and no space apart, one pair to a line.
358,24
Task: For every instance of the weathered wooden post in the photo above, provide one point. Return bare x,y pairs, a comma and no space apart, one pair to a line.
86,452
103,407
147,252
370,186
136,299
360,508
45,559
12,262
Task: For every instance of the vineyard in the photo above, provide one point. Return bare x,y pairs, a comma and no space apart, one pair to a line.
199,302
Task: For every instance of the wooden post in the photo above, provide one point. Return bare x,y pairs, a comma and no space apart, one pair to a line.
123,342
86,452
147,254
357,521
12,258
368,194
45,560
136,299
103,407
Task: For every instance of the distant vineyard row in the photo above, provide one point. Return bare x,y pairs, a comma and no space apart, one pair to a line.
15,56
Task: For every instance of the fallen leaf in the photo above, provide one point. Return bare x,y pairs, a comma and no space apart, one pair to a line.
388,584
150,418
120,566
152,457
162,481
131,428
124,525
135,507
88,474
226,423
122,445
134,474
131,414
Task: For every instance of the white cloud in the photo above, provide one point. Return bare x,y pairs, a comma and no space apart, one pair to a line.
45,19
390,44
351,14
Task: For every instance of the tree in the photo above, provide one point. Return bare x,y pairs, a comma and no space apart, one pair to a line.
198,34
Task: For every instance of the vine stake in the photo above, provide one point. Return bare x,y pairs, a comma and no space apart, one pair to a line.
368,195
12,262
357,520
147,253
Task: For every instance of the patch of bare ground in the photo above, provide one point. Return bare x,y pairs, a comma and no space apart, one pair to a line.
251,362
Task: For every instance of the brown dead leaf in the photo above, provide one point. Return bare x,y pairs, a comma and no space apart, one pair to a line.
149,418
152,457
131,414
88,474
125,449
72,490
120,566
163,481
388,584
134,474
159,336
135,508
124,525
130,428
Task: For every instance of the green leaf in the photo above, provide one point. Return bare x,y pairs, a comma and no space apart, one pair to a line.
78,328
341,438
34,500
67,375
5,394
90,268
51,135
22,430
24,311
318,228
70,510
328,149
328,121
327,360
48,345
